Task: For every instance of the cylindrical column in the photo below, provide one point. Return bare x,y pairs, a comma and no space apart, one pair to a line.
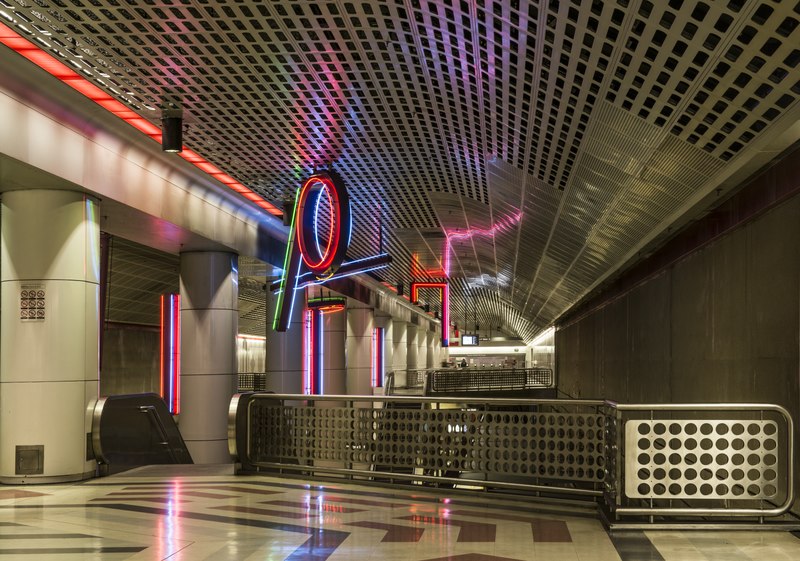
430,354
422,347
49,327
334,363
413,346
387,324
285,350
437,347
359,350
399,352
209,323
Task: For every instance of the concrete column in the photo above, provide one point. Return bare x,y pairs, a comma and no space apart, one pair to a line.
422,347
359,350
438,355
387,324
412,340
209,323
285,350
430,356
49,319
399,352
334,363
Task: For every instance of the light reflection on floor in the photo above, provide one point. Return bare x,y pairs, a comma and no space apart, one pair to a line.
203,513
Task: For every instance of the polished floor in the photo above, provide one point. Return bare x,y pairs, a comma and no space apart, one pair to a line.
202,513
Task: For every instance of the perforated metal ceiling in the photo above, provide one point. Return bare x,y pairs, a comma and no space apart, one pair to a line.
526,146
139,275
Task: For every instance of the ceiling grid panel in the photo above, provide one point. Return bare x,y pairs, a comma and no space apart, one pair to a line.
564,135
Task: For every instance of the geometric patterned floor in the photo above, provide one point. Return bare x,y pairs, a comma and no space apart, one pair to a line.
205,513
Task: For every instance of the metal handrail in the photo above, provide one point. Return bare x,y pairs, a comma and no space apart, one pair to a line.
388,383
97,415
241,416
242,442
487,379
727,512
423,399
152,414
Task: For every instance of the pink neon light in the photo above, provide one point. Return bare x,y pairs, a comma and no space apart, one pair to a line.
170,352
307,350
503,224
176,325
161,353
374,357
59,70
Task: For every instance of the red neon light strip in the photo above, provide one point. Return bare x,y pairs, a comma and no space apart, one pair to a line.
57,69
417,271
445,293
325,259
161,353
176,373
170,352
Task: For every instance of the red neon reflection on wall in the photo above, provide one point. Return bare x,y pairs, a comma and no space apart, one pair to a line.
170,371
445,293
57,69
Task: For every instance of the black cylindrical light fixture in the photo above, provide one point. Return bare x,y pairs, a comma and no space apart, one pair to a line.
171,130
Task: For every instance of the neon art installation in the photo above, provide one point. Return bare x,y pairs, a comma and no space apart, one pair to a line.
314,256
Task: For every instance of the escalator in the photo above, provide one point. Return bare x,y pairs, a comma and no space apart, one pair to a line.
135,430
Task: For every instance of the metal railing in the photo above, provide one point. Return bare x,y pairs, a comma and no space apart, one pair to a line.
467,380
252,381
644,460
405,380
714,459
498,443
416,378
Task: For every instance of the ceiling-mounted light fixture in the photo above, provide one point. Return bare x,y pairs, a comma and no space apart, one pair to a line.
171,129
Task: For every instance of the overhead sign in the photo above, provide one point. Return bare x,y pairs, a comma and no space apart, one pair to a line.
319,237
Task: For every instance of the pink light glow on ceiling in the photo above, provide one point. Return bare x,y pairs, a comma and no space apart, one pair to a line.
504,224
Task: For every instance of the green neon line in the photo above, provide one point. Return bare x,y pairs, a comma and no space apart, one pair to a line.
289,244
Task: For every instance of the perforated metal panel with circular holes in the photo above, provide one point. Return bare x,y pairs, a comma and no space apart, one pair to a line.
710,459
546,445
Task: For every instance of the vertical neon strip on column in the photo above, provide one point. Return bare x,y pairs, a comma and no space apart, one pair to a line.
169,359
318,352
373,360
177,353
312,353
446,315
377,357
307,350
161,350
